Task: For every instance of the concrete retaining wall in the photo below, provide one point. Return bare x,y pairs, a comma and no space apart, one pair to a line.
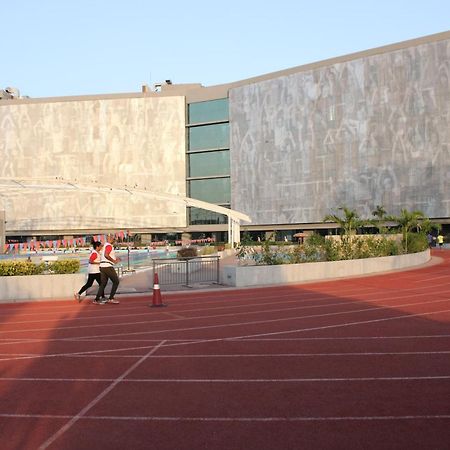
242,276
32,287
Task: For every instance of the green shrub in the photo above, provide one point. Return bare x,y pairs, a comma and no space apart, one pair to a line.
359,248
208,250
14,268
64,266
315,239
187,252
11,268
417,242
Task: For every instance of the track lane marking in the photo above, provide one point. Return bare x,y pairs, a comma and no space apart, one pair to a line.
99,397
235,419
227,380
200,341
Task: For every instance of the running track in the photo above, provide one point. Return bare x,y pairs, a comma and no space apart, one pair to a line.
361,363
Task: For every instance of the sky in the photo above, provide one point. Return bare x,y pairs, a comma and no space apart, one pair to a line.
53,48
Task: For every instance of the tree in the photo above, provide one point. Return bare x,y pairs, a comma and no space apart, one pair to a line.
380,214
348,223
408,220
426,226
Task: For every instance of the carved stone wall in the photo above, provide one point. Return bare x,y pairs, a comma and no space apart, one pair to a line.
134,142
372,131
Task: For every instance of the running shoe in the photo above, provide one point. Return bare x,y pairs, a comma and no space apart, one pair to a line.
98,302
77,297
112,301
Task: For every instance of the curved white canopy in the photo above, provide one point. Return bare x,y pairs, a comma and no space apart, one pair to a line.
36,184
16,185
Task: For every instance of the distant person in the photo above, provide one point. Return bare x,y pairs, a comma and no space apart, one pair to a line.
440,240
108,272
93,269
430,240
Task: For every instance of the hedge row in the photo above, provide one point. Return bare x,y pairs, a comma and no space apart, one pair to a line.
10,268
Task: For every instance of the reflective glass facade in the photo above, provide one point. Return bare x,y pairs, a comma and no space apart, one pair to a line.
199,216
211,111
212,190
207,164
208,159
209,137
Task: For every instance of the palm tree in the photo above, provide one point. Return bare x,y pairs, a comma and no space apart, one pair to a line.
407,221
348,224
426,226
379,213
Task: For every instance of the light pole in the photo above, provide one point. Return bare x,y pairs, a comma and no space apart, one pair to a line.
128,249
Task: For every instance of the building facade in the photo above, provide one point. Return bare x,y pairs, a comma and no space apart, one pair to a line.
286,148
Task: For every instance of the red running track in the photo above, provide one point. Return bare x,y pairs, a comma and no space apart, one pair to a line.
361,363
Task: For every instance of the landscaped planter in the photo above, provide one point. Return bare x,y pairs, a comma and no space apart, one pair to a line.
32,287
241,276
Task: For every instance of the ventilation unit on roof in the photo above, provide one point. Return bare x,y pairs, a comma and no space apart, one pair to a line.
9,93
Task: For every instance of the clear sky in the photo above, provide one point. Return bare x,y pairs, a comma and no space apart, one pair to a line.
54,48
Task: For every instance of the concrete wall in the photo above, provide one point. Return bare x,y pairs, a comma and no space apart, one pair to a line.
124,142
2,231
242,276
57,287
32,287
365,132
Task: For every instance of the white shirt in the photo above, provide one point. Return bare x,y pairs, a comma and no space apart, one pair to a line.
94,268
105,262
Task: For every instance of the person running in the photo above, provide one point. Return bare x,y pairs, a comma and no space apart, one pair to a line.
107,272
93,269
440,240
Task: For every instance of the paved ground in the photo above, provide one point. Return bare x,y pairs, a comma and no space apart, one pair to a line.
142,281
351,364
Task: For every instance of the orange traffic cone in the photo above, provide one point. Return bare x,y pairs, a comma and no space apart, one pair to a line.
156,298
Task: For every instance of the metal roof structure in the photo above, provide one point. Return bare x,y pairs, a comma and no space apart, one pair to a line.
10,185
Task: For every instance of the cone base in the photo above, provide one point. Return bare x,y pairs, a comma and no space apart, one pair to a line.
157,306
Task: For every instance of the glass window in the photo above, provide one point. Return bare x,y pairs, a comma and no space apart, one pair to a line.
213,190
208,164
210,111
199,216
209,137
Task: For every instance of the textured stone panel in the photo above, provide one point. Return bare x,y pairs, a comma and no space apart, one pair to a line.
372,131
134,142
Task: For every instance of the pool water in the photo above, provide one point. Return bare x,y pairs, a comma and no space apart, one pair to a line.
137,258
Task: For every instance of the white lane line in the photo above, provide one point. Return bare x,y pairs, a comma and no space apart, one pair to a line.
89,353
77,417
249,295
298,330
215,297
301,330
97,354
227,380
342,302
284,319
313,297
235,419
261,339
175,317
345,338
293,355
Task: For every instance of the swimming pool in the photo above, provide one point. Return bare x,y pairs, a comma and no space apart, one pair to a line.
138,258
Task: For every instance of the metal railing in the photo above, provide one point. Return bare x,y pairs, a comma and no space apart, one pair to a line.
187,271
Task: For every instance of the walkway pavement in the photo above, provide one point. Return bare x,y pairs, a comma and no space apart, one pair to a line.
141,281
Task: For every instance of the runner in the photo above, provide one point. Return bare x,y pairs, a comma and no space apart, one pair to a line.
93,270
107,272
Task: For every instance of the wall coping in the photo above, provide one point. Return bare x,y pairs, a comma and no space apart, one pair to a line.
246,276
